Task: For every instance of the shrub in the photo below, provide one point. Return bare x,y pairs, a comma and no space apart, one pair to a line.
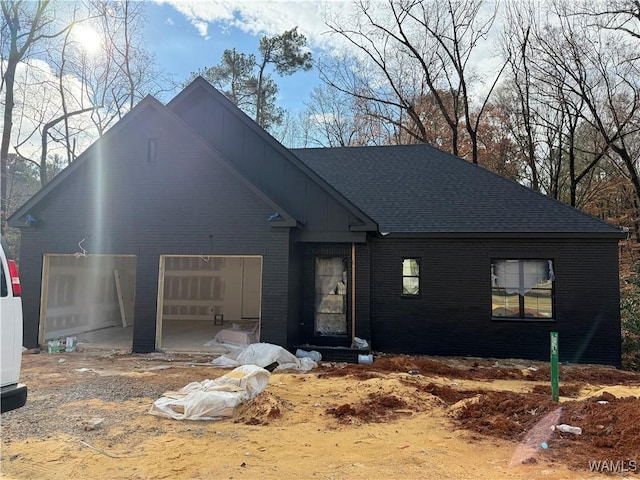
630,319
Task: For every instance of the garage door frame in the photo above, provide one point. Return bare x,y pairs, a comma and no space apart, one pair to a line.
161,287
44,287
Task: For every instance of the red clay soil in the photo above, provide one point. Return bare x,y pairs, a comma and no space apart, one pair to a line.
399,364
610,431
610,425
444,392
570,390
377,408
596,374
505,414
481,369
261,410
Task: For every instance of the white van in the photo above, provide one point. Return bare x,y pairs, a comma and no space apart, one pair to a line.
14,394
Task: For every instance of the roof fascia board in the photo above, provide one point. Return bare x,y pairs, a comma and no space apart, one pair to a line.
331,237
369,224
510,235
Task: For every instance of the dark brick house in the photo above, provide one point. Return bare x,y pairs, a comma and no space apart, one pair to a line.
201,215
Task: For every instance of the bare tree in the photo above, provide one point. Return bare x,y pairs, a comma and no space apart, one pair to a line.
79,87
616,15
561,71
575,86
337,119
604,71
515,42
122,72
418,49
330,118
25,24
498,150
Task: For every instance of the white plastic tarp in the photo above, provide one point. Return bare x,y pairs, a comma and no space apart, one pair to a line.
520,276
233,336
263,354
213,399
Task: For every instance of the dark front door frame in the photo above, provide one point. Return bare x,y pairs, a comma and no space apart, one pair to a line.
310,333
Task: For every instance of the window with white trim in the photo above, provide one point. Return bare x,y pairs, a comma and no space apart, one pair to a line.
522,289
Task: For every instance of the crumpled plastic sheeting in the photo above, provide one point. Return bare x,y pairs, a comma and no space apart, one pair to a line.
213,399
263,354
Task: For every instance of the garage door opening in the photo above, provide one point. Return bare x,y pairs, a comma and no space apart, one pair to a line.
200,296
89,297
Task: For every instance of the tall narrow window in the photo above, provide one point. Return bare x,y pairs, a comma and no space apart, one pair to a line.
410,277
522,289
331,296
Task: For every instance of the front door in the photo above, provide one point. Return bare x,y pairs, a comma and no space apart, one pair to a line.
330,312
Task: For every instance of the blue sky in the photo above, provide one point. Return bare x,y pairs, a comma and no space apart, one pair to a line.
186,35
185,41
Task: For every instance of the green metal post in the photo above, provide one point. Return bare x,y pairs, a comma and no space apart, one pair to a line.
555,388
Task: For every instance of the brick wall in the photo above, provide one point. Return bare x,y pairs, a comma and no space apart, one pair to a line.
183,203
452,314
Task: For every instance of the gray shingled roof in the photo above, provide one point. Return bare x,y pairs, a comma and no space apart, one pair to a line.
418,189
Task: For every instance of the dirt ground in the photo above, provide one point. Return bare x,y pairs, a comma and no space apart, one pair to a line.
400,417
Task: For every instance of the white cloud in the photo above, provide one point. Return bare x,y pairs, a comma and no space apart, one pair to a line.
202,28
260,17
253,17
272,17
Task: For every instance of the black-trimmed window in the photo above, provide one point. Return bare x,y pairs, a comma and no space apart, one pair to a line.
522,289
410,277
331,275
